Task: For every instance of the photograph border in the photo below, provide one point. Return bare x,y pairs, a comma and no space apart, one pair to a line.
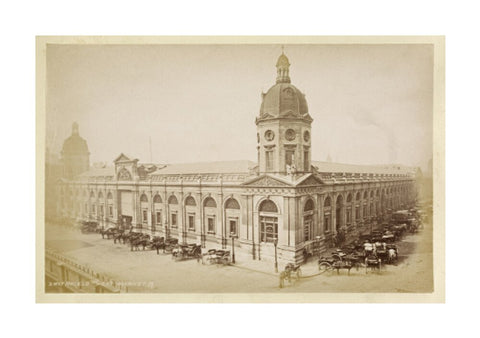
437,296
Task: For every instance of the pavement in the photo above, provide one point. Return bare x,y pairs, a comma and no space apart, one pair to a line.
414,273
243,261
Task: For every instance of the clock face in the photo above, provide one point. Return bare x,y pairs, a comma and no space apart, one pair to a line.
290,134
306,136
269,135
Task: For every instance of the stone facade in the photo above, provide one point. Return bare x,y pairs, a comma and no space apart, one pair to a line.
285,200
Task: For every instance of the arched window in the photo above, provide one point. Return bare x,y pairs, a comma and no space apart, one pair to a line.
371,194
157,209
328,202
172,200
365,195
358,196
92,194
268,206
110,204
144,206
232,214
190,216
268,222
349,198
210,203
190,201
233,204
100,195
338,212
124,175
210,214
308,220
339,201
308,206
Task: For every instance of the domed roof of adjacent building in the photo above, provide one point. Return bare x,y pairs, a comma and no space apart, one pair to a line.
74,144
283,100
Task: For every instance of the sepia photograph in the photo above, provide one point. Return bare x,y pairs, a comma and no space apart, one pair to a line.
250,169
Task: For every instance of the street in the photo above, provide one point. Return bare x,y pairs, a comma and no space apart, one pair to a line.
145,271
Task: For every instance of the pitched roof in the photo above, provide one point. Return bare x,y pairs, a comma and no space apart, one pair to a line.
223,167
365,169
107,171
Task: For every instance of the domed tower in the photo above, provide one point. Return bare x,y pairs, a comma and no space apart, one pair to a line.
75,154
283,127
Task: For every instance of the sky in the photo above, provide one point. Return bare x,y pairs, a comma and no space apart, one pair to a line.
371,104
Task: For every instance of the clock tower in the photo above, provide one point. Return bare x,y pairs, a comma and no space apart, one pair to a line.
284,127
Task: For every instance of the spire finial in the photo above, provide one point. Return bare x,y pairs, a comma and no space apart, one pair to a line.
282,68
75,128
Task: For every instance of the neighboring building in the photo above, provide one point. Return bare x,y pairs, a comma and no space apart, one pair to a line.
286,197
53,172
75,155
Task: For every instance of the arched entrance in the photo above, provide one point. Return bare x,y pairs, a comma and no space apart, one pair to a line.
268,219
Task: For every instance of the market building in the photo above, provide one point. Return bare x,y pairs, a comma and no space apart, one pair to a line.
285,200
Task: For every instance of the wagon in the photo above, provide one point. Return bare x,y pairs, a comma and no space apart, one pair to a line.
186,251
338,260
373,262
222,257
169,245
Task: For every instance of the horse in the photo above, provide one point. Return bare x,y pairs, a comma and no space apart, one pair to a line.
117,236
392,255
287,274
138,242
157,243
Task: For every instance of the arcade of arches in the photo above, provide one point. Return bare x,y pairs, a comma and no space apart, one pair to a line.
212,218
286,201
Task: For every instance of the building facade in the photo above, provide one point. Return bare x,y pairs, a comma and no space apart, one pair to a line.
285,200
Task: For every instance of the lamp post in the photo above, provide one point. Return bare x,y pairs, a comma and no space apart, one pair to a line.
233,236
275,242
317,239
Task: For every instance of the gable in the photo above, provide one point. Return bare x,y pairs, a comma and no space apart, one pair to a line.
122,158
267,181
309,181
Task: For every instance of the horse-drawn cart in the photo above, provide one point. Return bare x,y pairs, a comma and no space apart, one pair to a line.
291,274
373,262
187,251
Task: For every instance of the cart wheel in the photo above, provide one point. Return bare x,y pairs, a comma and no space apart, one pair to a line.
324,266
